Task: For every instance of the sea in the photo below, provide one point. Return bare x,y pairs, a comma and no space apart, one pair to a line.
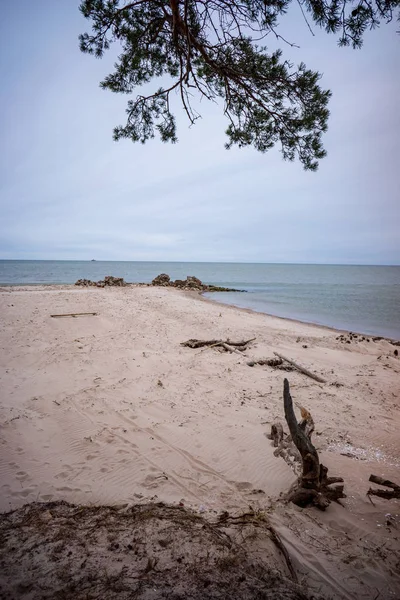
364,299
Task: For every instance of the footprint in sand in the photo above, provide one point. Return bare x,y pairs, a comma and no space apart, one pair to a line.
25,492
22,476
154,481
243,485
122,451
66,488
92,456
46,497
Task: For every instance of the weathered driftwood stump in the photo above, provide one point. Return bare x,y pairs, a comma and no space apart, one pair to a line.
387,494
313,486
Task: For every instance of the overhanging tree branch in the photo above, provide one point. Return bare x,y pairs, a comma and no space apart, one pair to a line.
211,46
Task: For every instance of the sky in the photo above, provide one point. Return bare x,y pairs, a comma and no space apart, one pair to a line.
69,192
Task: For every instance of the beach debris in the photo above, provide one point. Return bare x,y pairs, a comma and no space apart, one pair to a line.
300,368
222,345
84,314
313,486
275,363
347,338
387,494
109,280
190,283
276,434
284,364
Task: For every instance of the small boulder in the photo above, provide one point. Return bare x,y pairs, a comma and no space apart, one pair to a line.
116,281
179,283
192,282
162,279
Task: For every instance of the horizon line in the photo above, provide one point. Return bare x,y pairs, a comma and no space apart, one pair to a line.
228,262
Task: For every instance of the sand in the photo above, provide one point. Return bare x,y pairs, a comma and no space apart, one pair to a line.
111,409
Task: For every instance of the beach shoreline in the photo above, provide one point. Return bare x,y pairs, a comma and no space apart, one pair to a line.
111,409
299,321
201,295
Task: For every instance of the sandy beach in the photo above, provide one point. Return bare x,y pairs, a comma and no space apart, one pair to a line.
111,409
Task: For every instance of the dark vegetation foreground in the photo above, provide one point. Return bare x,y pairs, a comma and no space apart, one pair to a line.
60,550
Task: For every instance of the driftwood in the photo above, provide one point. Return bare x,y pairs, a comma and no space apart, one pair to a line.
312,487
387,494
74,315
270,362
226,345
277,434
300,368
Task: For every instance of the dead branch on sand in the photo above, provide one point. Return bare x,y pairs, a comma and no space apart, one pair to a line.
300,368
387,494
227,345
74,315
313,485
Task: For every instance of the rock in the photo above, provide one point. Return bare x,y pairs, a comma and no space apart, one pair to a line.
162,279
179,283
217,288
84,282
192,285
108,281
192,281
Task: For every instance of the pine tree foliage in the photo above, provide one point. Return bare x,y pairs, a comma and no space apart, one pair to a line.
214,48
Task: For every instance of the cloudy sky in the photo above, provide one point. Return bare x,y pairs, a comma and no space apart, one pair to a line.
67,191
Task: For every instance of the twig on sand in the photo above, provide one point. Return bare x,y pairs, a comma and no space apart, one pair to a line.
74,314
230,348
300,368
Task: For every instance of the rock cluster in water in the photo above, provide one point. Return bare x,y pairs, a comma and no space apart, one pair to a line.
164,280
190,283
107,281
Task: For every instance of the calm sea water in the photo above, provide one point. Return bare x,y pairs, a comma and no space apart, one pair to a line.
365,299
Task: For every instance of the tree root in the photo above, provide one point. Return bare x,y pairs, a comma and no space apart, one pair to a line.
387,494
258,518
313,485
